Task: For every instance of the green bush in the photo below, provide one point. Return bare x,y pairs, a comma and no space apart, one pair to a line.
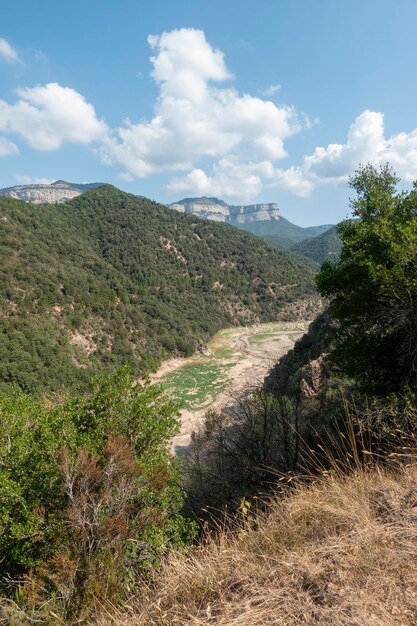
89,496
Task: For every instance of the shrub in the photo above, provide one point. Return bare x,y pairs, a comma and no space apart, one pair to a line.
89,495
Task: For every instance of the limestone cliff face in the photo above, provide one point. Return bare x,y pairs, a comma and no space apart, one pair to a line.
37,193
219,211
242,214
204,208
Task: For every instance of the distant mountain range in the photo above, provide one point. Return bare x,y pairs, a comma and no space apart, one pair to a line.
264,220
219,211
325,247
37,193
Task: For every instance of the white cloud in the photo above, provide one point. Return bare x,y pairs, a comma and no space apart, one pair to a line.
217,141
49,115
365,143
194,119
7,52
236,181
7,147
23,179
291,179
271,90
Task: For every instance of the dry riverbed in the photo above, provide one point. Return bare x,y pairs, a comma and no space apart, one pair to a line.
237,358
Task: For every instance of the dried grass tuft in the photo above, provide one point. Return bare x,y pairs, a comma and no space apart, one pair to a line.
341,551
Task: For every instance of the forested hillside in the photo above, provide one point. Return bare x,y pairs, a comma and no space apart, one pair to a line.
109,278
324,247
282,233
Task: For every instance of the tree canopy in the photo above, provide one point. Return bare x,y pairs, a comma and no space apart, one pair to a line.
373,287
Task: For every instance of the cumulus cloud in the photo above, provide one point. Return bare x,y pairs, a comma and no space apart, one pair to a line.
7,147
365,143
7,52
213,139
195,117
292,179
49,115
239,181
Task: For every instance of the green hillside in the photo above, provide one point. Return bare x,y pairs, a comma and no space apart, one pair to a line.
109,278
282,233
325,247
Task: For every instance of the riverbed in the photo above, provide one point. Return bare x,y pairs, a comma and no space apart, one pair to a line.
235,360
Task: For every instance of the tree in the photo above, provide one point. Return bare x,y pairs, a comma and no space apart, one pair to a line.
373,287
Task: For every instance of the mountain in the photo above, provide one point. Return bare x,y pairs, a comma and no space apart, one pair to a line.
264,220
108,278
218,210
284,234
324,247
59,191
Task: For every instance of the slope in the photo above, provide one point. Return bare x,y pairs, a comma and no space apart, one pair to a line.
264,220
279,232
339,552
108,278
324,247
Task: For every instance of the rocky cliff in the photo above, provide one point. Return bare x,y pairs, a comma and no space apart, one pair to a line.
209,208
60,191
243,214
215,209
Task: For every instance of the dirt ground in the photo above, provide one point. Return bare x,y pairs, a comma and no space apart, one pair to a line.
252,351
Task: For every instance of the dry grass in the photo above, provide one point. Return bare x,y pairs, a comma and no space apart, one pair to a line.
342,551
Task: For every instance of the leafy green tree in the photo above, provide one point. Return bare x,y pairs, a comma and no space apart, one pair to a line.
373,287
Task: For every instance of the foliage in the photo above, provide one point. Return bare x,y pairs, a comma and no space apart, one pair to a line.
373,287
89,495
110,278
237,452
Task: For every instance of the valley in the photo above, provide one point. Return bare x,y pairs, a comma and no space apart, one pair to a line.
208,314
236,359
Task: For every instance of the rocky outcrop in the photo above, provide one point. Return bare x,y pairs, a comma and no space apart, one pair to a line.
305,367
57,192
219,211
314,377
204,207
243,214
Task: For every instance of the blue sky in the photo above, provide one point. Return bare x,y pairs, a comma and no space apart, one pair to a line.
267,101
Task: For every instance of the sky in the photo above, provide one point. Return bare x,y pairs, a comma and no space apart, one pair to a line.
267,101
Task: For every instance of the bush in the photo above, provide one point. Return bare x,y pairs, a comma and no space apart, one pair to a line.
89,496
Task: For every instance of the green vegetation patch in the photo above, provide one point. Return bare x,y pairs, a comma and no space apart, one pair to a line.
221,346
195,385
261,337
